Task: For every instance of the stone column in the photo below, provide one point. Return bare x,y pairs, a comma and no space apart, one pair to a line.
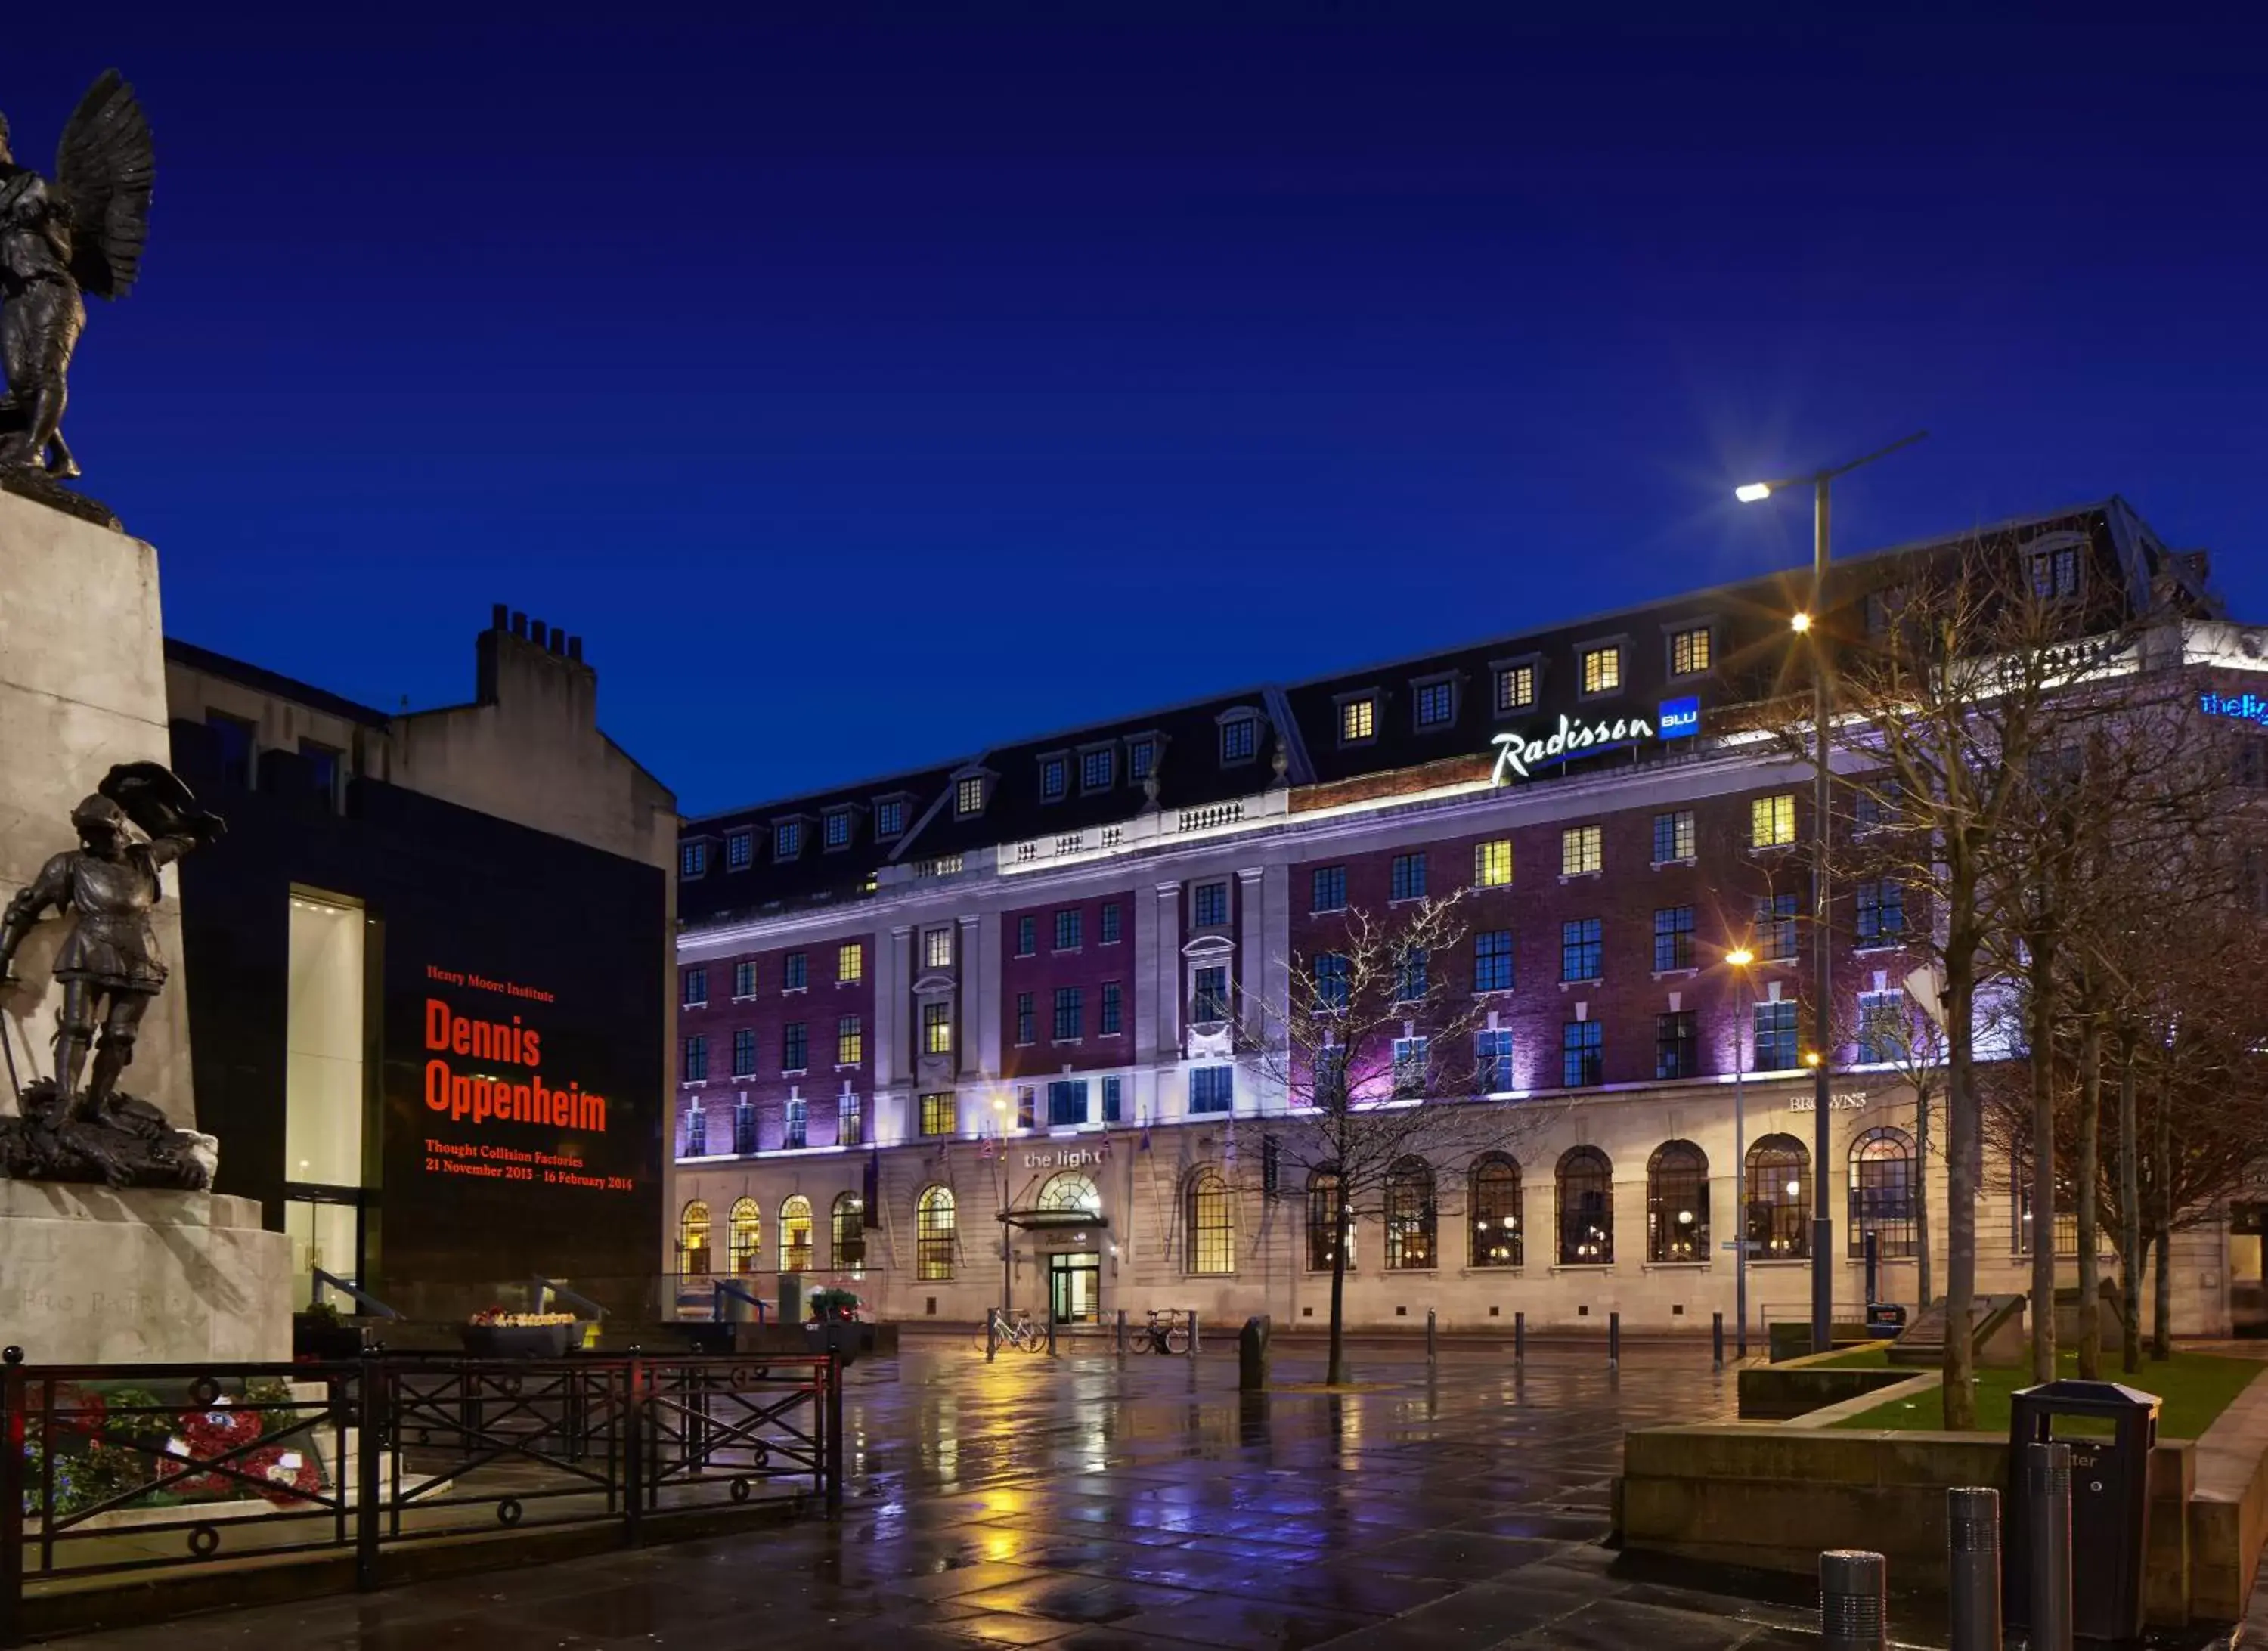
1168,982
893,960
970,973
1251,970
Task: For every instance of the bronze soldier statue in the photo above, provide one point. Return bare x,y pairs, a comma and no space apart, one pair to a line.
82,232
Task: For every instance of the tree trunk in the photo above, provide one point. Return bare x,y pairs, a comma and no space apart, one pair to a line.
1335,1370
1921,1193
1962,1148
2039,1018
2090,1155
2161,1212
2130,1214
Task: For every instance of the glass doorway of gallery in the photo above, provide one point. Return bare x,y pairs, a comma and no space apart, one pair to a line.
1075,1286
326,1229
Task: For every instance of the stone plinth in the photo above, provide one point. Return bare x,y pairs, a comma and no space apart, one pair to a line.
92,1276
82,686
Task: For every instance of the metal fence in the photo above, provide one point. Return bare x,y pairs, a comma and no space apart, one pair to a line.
134,1471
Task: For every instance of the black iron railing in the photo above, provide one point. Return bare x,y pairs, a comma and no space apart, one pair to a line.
127,1470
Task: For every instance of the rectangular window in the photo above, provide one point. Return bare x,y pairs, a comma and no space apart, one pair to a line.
1493,961
1771,821
1208,906
1689,652
1515,688
1673,836
1674,1045
1882,912
1094,770
838,829
740,850
968,796
1582,1058
937,1028
849,961
1776,916
744,978
1111,1088
693,860
1071,1014
1775,1041
696,1130
795,973
1028,1018
1492,864
236,744
797,1133
1437,704
697,988
696,1059
326,1004
1109,925
1581,851
1602,670
1331,889
1409,877
2055,573
1877,805
1055,778
787,840
1027,1109
1209,1001
744,1052
850,1040
1066,1103
1410,1067
890,818
1212,1089
1141,757
1492,1061
1109,1025
1673,939
795,1047
1069,931
1332,982
1580,947
1882,1027
744,1128
1411,972
1358,720
936,949
1028,936
849,1122
939,1112
1240,738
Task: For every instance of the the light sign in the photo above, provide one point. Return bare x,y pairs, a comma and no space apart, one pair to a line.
1681,718
2243,707
1518,756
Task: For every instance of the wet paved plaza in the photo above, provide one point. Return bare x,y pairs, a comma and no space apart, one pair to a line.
1089,1504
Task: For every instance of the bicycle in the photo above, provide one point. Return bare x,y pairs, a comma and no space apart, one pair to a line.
1019,1329
1164,1334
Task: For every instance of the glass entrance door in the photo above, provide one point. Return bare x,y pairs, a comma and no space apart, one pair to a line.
1075,1288
326,1232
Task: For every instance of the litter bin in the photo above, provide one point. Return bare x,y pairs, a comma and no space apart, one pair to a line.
1886,1321
790,1298
1252,1354
2109,1502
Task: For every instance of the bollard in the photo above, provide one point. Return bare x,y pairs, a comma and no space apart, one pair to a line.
1519,1338
992,1333
2047,1519
1193,1333
1121,1332
1972,1533
1052,1329
1431,1348
1252,1355
1851,1586
1613,1341
1717,1336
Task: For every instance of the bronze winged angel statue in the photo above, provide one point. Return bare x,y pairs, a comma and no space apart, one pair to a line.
79,232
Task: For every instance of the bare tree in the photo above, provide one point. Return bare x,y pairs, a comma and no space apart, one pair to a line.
1373,1050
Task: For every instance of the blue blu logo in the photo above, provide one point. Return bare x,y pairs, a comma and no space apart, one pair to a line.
1681,718
2244,707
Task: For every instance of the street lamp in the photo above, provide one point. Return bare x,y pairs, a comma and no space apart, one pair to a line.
1822,1223
1740,957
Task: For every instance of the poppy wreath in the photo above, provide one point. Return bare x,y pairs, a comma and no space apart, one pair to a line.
283,1471
209,1434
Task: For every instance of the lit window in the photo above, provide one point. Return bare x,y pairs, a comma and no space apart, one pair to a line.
1209,905
740,850
1331,889
934,1234
936,949
849,961
1212,1089
697,988
937,1028
1515,688
1579,950
1493,1207
787,840
1240,739
1094,770
1141,757
968,796
1209,1224
1689,652
1587,1208
1054,778
890,817
1582,1054
1602,670
1673,836
1409,877
795,1047
1410,1220
848,1218
1673,939
940,1113
744,978
1358,720
1492,864
794,975
838,829
1110,935
1067,930
849,1041
1580,850
1493,961
693,860
1437,704
1771,821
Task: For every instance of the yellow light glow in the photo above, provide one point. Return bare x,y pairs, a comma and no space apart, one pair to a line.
1753,492
1811,1057
1740,957
1799,622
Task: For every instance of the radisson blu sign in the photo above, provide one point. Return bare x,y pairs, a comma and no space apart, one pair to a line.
1519,755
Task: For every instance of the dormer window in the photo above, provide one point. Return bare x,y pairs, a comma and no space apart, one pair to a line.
1690,654
839,827
1240,739
1097,768
1435,702
787,839
740,850
1054,778
1602,668
693,860
1141,757
1358,718
890,818
1515,685
968,795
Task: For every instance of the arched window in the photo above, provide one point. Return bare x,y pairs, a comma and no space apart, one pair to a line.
1208,1225
849,1220
1494,1211
1779,1199
1070,1190
1883,1193
1328,1221
1677,1203
795,1234
1411,1229
933,1234
745,1234
1587,1208
693,1238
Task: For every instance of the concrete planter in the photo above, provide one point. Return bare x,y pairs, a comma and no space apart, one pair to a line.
1777,1392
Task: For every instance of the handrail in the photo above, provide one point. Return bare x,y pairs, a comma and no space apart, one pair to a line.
360,1297
544,1287
726,1288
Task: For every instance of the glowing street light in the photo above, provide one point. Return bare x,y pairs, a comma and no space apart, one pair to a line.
1753,492
1799,622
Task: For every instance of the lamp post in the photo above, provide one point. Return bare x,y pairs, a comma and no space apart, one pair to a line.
1822,1223
1740,958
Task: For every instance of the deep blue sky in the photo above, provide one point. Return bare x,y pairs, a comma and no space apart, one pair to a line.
867,385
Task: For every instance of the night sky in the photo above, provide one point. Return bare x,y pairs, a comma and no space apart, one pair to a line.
869,385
